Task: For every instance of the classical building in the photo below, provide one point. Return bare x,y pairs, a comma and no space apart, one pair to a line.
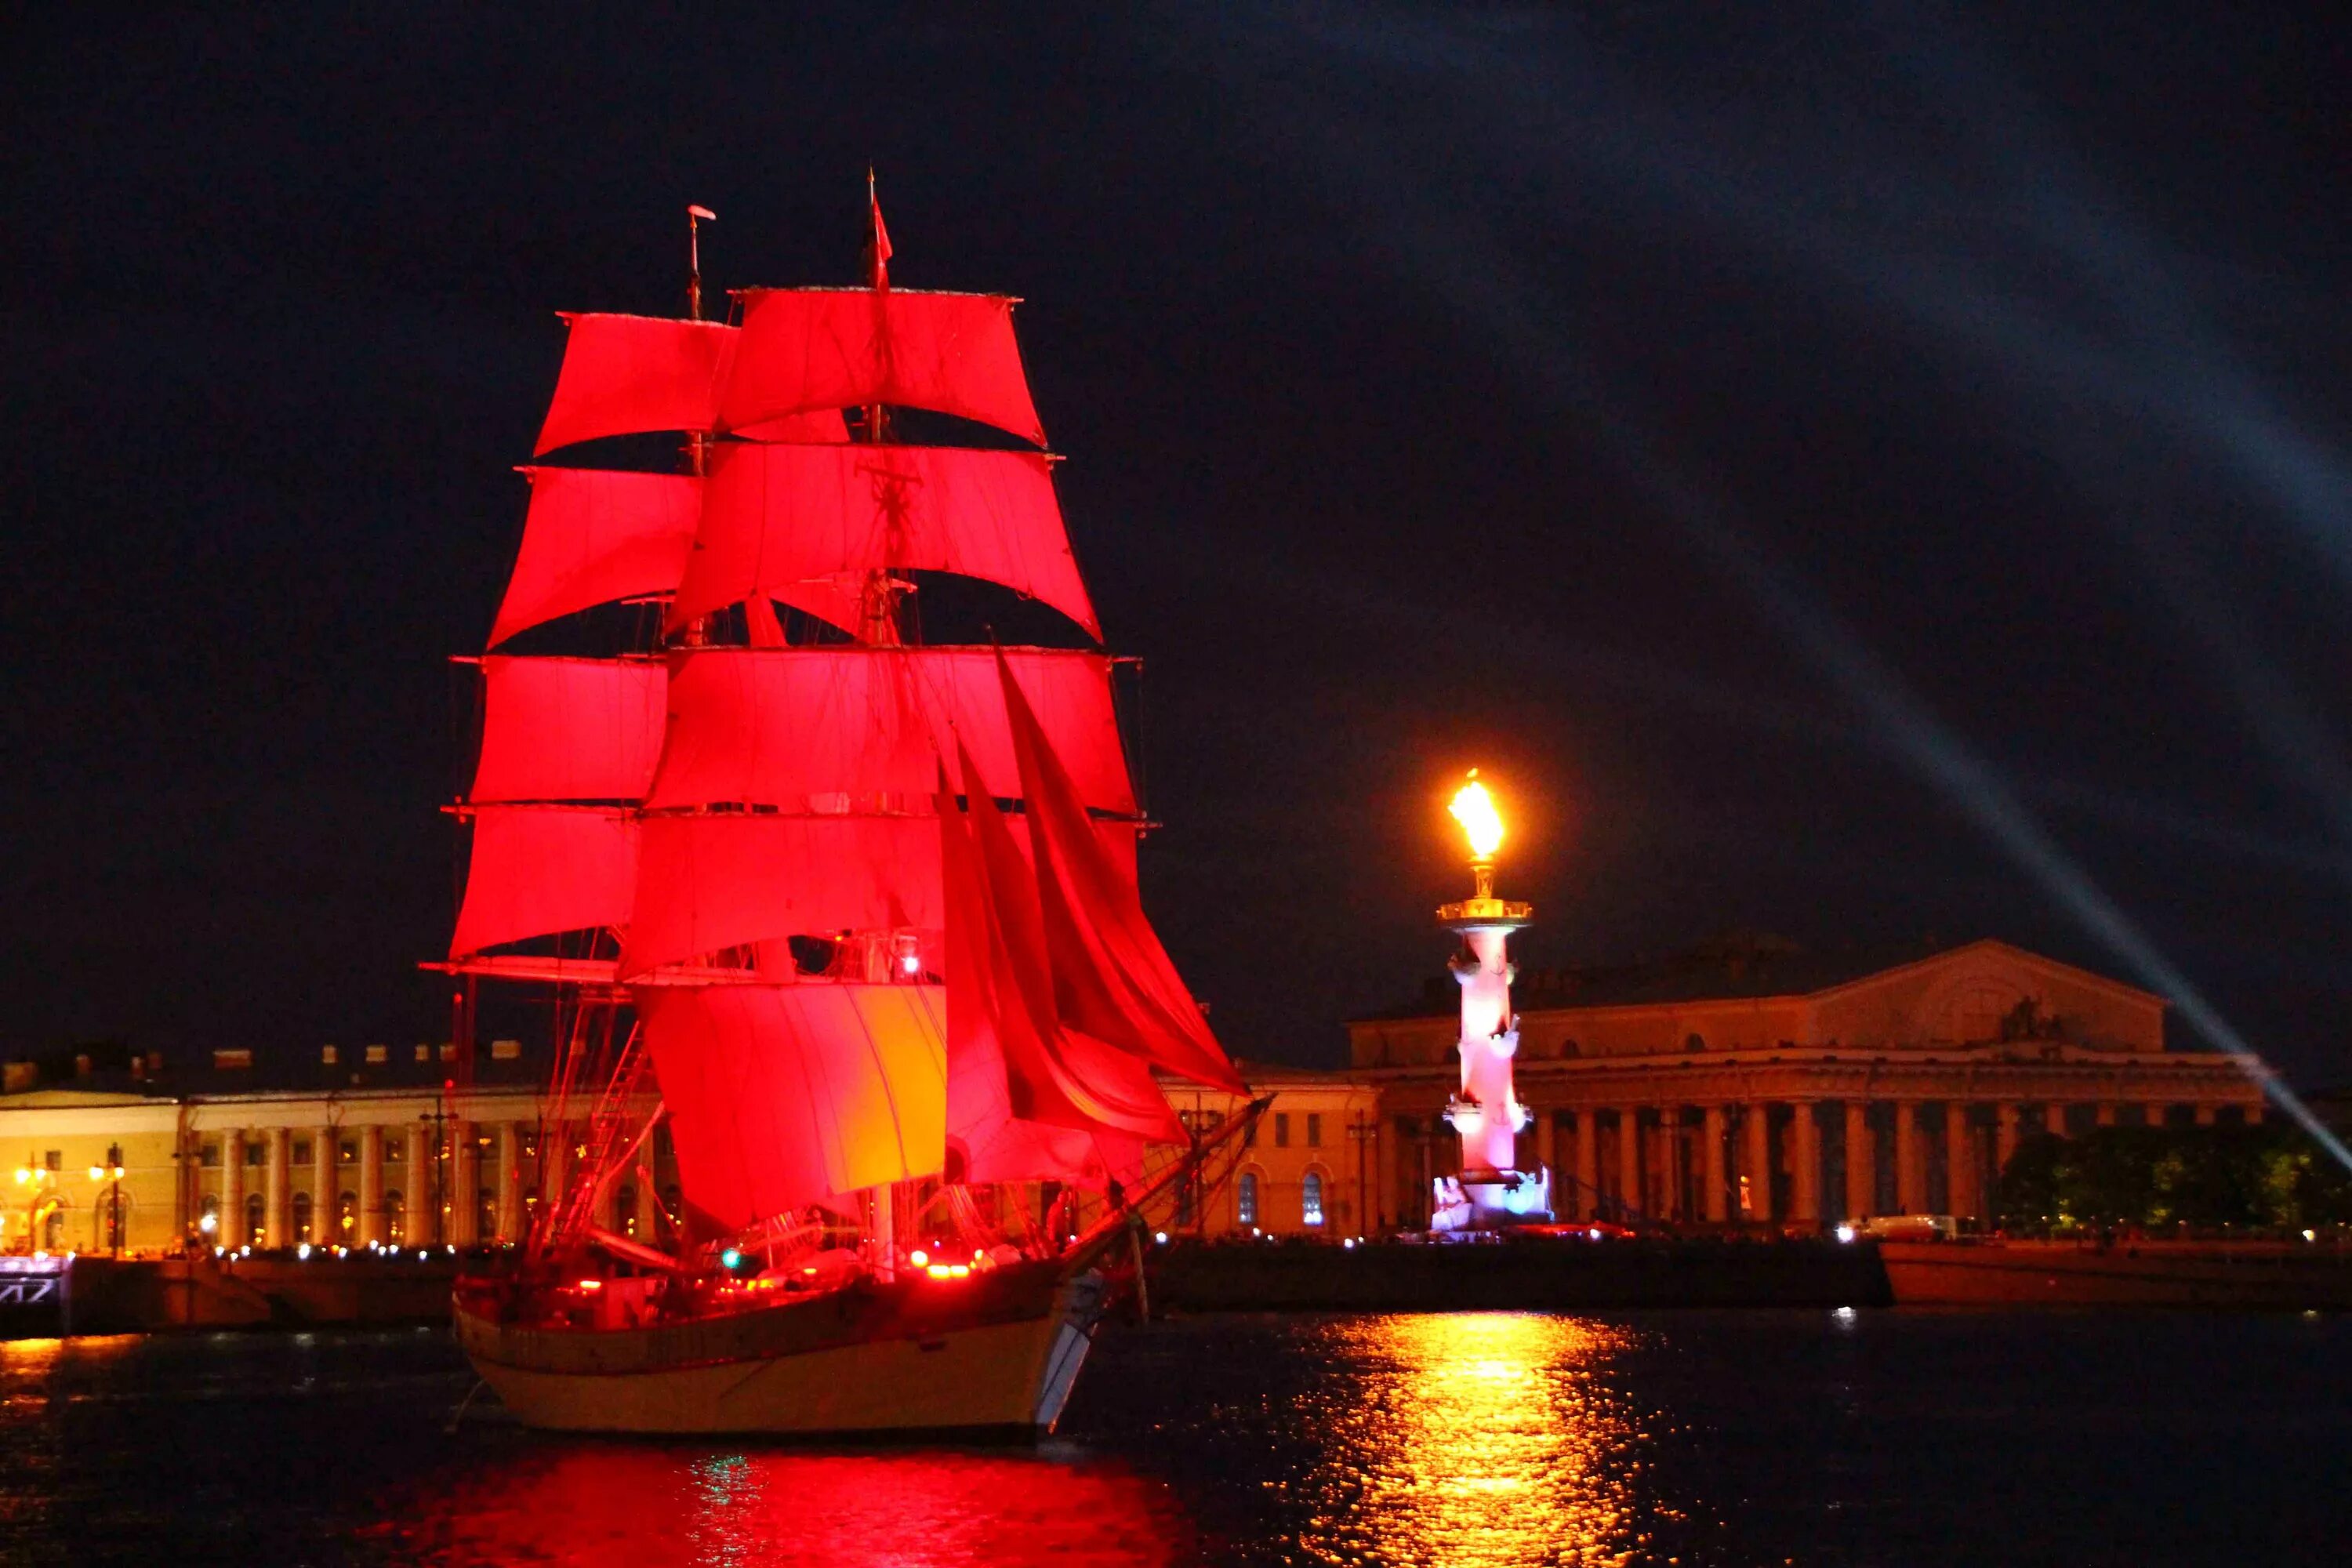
369,1145
1749,1082
1745,1082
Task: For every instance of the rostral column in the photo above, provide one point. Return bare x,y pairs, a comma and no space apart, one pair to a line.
1491,1191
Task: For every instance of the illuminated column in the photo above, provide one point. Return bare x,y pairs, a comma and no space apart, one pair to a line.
371,1184
1629,1157
232,1195
509,1182
1756,1158
1670,1134
1805,1157
1959,1160
2053,1118
465,1184
1587,1165
277,1187
1860,1160
1910,1160
416,1202
325,1196
1711,1167
2205,1110
2005,1148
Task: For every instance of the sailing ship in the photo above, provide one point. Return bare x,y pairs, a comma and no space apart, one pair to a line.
853,916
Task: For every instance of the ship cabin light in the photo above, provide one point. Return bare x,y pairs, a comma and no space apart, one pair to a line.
730,1260
918,1257
303,1252
1161,1236
949,1270
592,1284
909,950
209,1224
1845,1233
2311,1236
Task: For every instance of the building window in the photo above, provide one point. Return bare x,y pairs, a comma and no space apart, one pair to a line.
347,1213
395,1151
485,1214
302,1214
53,1230
1314,1129
1245,1198
1249,1135
208,1208
395,1215
1310,1198
1694,1043
301,1151
255,1231
1282,1130
55,1159
347,1151
625,1203
257,1152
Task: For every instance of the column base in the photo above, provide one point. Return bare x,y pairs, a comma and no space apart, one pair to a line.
1491,1200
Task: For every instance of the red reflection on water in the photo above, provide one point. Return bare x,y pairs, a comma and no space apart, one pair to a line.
594,1503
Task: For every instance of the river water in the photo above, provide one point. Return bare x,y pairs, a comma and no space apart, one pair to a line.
1902,1438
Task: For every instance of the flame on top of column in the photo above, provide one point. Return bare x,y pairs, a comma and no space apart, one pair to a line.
1474,808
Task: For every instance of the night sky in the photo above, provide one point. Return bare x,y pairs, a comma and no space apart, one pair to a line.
1871,481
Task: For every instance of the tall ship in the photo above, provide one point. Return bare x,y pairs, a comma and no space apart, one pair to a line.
846,918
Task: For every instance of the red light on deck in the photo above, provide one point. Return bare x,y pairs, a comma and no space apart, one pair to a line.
949,1270
592,1284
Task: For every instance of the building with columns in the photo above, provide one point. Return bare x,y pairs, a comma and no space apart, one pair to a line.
372,1145
1749,1082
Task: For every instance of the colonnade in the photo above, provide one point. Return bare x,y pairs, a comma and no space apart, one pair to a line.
1798,1162
387,1184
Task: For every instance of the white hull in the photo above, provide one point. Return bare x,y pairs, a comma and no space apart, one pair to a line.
877,1362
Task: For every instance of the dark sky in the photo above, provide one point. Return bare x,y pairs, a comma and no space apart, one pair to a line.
1862,478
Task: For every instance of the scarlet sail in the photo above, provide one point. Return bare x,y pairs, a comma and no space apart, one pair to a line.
774,516
782,1095
568,729
852,348
539,869
779,727
592,536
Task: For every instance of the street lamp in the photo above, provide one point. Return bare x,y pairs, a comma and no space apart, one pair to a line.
113,1172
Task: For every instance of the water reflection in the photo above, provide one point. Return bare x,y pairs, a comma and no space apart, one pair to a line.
598,1503
1479,1438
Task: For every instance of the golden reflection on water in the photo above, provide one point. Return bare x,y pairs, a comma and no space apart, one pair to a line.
1481,1438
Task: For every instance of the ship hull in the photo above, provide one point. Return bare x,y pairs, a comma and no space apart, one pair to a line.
989,1358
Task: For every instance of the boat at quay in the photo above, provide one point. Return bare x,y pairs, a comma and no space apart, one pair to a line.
2277,1276
852,912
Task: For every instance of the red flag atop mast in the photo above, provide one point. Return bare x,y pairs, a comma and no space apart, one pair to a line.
878,243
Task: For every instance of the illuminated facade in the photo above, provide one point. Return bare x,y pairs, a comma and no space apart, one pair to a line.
1748,1083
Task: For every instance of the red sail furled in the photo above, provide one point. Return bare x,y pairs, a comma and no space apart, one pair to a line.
776,515
849,348
708,881
594,535
1058,1075
1112,977
539,869
569,729
1014,1110
781,1096
626,375
777,726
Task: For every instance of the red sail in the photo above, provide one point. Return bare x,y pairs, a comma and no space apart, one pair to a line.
714,880
781,1096
1025,1099
594,535
774,516
778,726
625,375
568,729
848,348
539,869
1112,977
